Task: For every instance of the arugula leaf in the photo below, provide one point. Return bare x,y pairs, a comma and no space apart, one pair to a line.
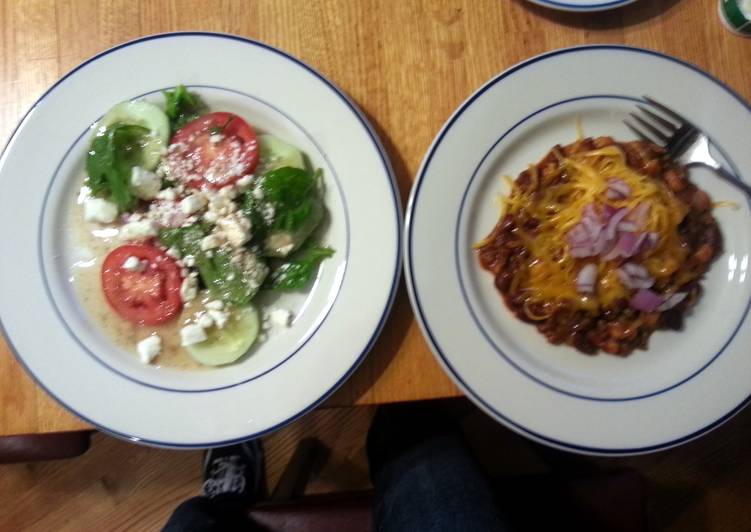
182,106
112,155
297,273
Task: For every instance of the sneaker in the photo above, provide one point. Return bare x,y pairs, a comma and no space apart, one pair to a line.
236,470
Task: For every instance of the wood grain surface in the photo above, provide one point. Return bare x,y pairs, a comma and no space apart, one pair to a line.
407,63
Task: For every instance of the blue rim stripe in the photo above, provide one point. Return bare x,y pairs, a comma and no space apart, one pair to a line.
397,208
592,7
485,333
287,357
414,298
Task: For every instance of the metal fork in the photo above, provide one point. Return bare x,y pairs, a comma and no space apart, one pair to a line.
684,142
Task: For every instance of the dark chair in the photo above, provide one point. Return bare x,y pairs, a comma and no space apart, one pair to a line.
37,447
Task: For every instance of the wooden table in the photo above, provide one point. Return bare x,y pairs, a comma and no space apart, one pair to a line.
407,63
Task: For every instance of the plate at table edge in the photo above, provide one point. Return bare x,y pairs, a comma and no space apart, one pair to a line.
319,358
581,7
511,388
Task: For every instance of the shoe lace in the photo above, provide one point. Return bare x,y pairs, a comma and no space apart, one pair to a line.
226,475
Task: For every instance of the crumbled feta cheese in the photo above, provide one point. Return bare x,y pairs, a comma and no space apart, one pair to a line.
281,243
149,348
210,242
215,304
192,334
188,289
254,270
167,194
138,230
134,264
174,253
245,181
280,317
219,317
268,212
235,229
205,321
99,210
216,138
145,184
193,203
189,261
210,216
228,192
258,192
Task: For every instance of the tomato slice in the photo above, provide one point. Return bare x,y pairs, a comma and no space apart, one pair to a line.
147,296
213,151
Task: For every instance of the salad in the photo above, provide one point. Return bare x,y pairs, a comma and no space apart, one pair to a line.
206,214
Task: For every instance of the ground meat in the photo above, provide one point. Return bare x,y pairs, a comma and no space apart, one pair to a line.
617,329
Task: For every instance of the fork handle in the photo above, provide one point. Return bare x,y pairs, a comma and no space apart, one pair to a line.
727,175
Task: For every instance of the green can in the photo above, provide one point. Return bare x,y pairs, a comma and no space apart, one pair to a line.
736,15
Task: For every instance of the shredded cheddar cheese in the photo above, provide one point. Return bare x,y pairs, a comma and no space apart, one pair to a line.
558,205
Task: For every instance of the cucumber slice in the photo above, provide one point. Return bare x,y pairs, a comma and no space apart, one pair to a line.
146,115
226,345
275,153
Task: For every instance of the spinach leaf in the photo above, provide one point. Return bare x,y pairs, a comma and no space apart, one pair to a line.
229,281
186,239
225,279
182,106
252,208
297,273
112,155
292,196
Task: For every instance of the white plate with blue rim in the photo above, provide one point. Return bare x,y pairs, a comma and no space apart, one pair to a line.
686,382
336,321
582,5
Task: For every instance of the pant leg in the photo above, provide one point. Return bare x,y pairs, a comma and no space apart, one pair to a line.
429,484
201,514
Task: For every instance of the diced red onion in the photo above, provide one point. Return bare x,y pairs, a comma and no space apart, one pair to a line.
614,223
612,234
634,276
578,236
639,214
672,301
651,240
579,252
646,300
618,189
585,280
636,270
608,211
592,226
627,226
628,245
601,243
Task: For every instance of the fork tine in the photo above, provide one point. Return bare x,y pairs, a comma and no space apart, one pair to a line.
672,114
637,131
652,129
671,127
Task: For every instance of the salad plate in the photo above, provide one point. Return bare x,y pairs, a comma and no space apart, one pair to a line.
685,382
307,335
582,5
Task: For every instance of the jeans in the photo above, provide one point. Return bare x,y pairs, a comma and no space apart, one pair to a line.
434,487
425,480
